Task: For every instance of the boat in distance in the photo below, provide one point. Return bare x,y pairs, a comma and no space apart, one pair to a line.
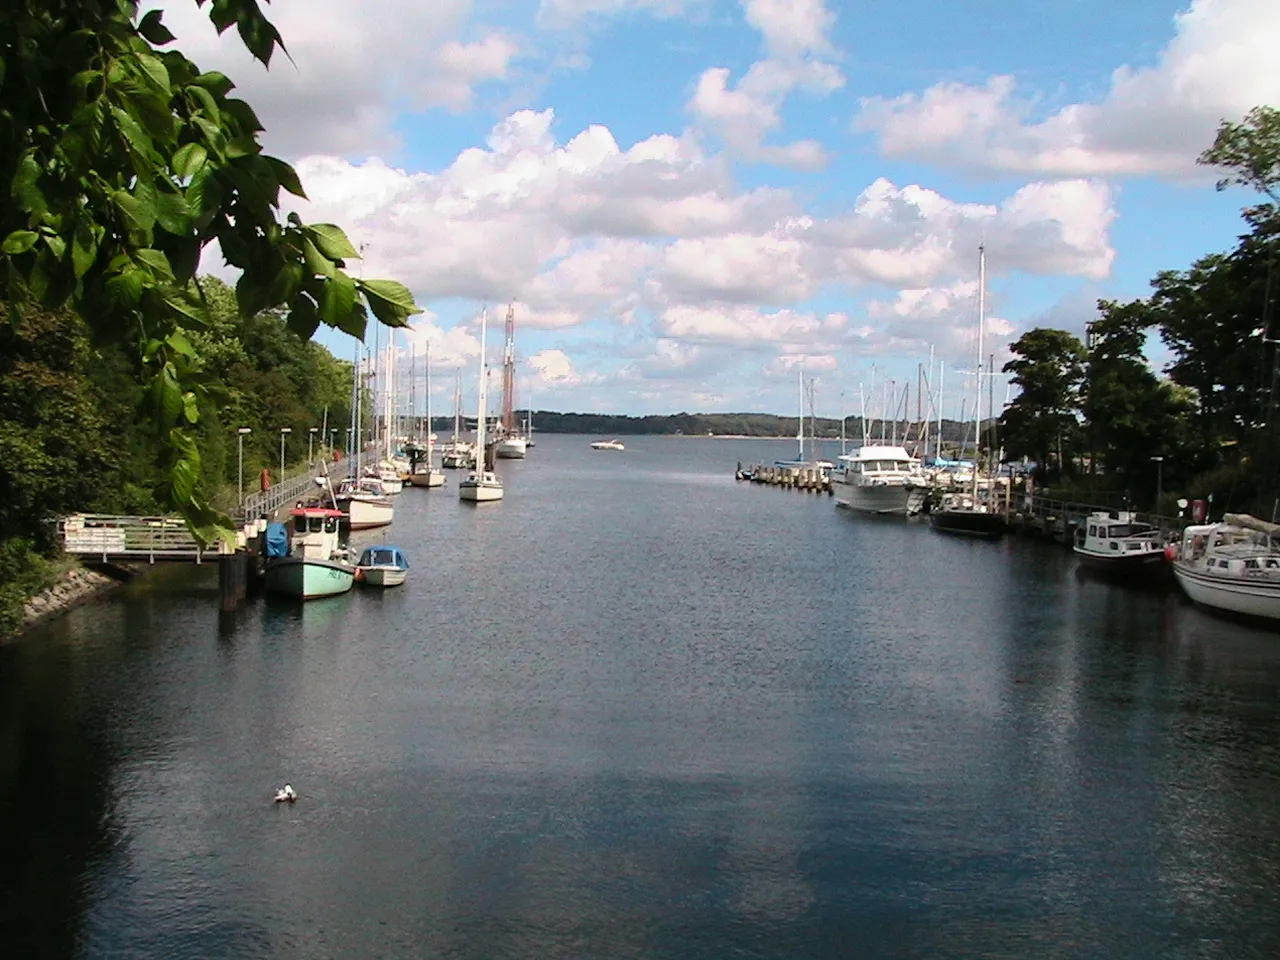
608,445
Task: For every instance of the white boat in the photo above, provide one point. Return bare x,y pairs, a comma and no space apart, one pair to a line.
389,473
608,445
482,485
511,448
879,479
1232,566
382,566
422,471
316,565
365,503
1117,544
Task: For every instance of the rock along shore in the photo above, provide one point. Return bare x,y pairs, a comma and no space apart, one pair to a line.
78,586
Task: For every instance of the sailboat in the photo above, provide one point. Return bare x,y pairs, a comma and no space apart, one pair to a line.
965,512
482,484
424,473
457,453
511,445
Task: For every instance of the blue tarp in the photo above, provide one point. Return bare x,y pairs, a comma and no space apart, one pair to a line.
383,556
277,540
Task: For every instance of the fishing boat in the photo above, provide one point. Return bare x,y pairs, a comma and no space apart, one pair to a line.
1119,545
972,513
1232,566
879,479
608,445
316,565
364,503
382,566
482,485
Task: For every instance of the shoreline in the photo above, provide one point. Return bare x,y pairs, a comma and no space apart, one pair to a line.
79,586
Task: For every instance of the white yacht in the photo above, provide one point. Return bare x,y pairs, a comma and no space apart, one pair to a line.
511,448
389,473
1117,543
365,502
482,485
1232,566
608,445
879,479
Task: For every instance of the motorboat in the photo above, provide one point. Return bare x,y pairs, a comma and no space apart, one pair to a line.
511,448
390,474
608,445
458,455
316,565
382,566
1233,566
1118,544
482,485
364,502
966,515
879,479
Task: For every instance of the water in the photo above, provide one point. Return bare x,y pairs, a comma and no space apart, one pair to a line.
638,710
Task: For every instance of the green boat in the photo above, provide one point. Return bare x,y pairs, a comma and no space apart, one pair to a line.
316,564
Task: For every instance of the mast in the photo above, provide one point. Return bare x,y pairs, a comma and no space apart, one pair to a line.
430,444
457,406
977,401
483,396
800,418
942,373
509,374
353,431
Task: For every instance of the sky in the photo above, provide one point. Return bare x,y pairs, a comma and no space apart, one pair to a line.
692,203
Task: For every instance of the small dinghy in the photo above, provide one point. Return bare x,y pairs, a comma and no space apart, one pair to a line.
382,566
286,794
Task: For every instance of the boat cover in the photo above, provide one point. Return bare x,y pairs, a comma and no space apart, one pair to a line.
383,556
277,540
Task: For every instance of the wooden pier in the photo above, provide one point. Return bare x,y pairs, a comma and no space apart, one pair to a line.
810,479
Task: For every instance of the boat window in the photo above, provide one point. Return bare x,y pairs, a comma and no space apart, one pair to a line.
1093,530
316,524
1251,565
1273,564
1114,545
300,524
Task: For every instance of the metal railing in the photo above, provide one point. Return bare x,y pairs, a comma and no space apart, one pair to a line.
292,489
137,538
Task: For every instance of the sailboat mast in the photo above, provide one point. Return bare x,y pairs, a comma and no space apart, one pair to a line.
427,363
483,396
942,375
977,401
509,374
800,418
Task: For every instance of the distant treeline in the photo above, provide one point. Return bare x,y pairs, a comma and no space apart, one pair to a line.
722,424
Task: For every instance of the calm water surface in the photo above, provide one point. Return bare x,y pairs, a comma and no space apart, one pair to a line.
638,710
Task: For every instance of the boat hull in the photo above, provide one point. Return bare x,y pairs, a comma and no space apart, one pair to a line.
308,579
512,448
383,576
367,514
433,479
1137,565
476,492
968,523
881,498
1259,599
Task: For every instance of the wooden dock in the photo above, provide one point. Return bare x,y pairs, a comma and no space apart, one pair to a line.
810,479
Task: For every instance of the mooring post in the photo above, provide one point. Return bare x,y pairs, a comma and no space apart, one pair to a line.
227,577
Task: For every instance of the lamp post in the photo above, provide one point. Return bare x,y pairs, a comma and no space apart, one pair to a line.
241,433
348,441
311,436
284,432
1159,462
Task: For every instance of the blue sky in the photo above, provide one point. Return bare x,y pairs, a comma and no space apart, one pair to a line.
689,200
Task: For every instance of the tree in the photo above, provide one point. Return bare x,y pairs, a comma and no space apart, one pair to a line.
1042,422
123,161
1251,152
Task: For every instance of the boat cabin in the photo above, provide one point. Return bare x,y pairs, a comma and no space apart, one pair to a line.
878,464
362,487
1119,533
315,532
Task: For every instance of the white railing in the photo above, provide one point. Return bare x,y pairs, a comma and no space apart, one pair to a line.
292,489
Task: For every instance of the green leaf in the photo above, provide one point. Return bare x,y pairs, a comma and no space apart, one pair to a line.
188,160
190,408
155,31
124,289
331,241
303,318
136,216
20,241
166,396
186,306
132,132
287,283
205,101
156,260
390,301
84,248
204,195
287,177
216,83
179,343
316,262
337,300
154,70
25,188
173,214
243,115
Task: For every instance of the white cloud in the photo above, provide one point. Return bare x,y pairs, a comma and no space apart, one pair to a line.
791,27
567,12
719,323
1153,120
348,67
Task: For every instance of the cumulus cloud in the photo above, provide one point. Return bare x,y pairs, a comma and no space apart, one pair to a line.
568,12
1153,120
349,68
745,113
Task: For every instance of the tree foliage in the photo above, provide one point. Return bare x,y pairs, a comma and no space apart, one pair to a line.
1041,422
121,162
1250,152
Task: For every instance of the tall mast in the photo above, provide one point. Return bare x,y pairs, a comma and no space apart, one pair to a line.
427,364
942,375
509,374
483,395
800,417
977,400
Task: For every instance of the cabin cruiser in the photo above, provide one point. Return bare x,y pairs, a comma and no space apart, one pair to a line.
879,479
608,445
316,565
365,503
1232,566
1117,543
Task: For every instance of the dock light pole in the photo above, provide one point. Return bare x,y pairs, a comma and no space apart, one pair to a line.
1159,462
284,432
333,440
311,437
241,433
